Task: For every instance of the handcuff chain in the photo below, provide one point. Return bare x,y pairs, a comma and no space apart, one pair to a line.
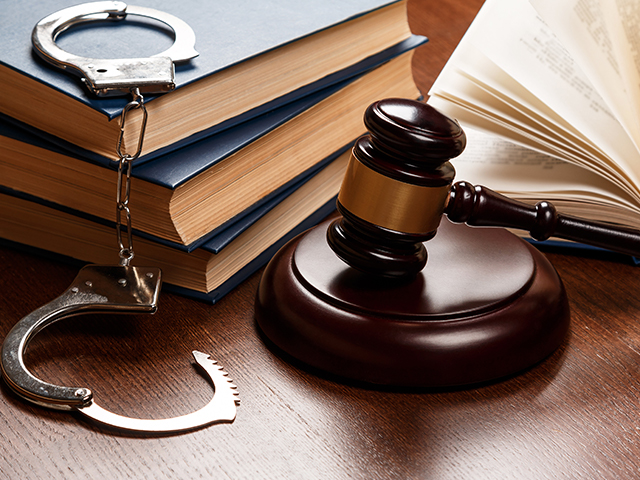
124,177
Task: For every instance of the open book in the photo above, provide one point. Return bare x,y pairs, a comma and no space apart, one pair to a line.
548,93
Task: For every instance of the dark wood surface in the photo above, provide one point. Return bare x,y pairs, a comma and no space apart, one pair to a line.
576,415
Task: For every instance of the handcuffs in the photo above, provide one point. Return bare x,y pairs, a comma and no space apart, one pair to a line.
112,288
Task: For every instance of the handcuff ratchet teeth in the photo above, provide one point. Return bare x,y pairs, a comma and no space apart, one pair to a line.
111,288
109,77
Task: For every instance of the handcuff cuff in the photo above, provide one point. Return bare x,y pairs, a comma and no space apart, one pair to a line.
112,288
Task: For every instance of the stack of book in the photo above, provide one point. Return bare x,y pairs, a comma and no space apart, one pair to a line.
248,151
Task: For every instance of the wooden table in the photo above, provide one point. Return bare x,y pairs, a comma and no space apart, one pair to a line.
576,415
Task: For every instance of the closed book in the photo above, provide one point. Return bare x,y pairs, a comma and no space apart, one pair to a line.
221,236
207,272
251,54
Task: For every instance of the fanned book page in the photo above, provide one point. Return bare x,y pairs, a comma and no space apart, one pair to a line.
603,38
559,79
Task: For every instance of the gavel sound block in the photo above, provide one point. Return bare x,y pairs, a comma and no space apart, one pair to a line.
353,297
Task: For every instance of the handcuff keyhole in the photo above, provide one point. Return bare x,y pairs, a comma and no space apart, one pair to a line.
102,70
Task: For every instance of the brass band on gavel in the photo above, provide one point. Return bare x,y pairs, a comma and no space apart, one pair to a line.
391,203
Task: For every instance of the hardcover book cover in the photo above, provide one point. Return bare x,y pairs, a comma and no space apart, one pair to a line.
249,55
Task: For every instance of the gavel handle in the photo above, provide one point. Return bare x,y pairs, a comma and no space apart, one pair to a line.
480,206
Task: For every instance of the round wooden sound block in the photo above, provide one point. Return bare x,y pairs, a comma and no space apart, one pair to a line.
487,305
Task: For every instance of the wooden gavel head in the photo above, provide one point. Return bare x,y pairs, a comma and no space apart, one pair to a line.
395,188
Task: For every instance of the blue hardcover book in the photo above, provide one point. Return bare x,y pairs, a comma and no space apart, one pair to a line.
217,239
567,246
185,195
251,55
207,272
226,286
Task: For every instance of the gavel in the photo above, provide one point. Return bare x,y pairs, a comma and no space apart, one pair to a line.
352,297
399,184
